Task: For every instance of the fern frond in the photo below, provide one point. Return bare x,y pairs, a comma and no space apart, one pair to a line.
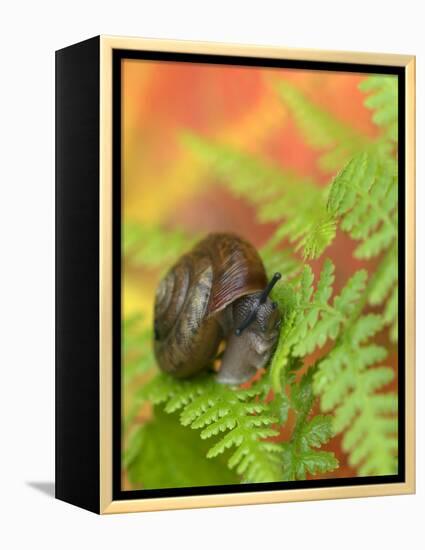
279,260
154,246
321,129
217,409
383,100
318,237
364,196
246,175
300,454
366,417
384,290
347,382
283,365
296,203
310,319
346,377
377,170
384,279
303,221
317,320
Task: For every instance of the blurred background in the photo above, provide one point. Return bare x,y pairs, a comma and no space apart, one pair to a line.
167,186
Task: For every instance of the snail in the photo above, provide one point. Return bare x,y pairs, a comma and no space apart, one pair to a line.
216,292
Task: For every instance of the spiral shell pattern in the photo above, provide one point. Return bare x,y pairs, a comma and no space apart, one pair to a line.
192,296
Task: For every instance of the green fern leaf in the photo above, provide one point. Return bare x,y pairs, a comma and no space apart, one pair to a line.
345,379
279,195
347,383
245,175
303,220
309,319
300,455
317,432
154,246
316,462
384,279
391,314
283,365
316,319
362,220
383,100
161,454
318,237
320,129
282,261
362,195
216,409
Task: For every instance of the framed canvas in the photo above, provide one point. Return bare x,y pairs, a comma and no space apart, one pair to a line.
234,274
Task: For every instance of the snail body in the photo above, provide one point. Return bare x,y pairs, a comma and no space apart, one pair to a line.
216,292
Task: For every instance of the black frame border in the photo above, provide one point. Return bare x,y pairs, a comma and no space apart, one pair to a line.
118,56
77,157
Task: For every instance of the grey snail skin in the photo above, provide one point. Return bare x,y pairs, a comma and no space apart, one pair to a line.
218,292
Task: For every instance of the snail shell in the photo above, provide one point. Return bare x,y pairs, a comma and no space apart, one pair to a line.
199,301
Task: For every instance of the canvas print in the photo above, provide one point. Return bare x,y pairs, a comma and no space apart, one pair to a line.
259,330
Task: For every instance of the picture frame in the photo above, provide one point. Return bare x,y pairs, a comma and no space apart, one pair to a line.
89,273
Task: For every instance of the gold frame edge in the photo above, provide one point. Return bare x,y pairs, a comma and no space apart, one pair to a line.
107,505
105,275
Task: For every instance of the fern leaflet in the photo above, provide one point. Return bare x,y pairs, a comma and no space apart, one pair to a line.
348,383
364,196
383,100
154,246
316,320
345,379
300,454
217,409
296,203
322,130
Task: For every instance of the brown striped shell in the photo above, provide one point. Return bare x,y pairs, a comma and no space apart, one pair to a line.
194,293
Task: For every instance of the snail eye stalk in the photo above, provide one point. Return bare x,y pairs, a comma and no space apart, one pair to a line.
263,297
269,287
